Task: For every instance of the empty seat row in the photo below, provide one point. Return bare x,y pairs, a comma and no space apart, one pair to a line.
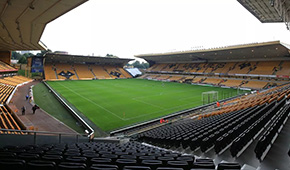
131,155
274,129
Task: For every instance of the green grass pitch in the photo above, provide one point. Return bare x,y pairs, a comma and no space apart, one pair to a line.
112,104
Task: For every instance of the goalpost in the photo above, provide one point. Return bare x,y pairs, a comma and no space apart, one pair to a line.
209,97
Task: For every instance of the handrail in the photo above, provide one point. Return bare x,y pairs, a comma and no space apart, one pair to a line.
75,114
39,134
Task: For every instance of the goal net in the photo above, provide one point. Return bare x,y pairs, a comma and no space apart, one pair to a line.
209,97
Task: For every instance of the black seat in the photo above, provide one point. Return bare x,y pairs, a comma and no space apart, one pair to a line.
204,160
125,162
7,155
104,167
12,164
55,158
54,152
232,166
28,156
165,159
136,168
178,164
40,164
188,159
69,154
101,161
152,163
71,166
169,168
203,165
128,157
78,159
90,155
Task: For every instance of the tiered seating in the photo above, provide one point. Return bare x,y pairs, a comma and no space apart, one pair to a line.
271,133
7,121
213,66
235,129
99,72
170,67
255,84
83,71
256,125
64,67
232,83
5,91
175,78
241,68
197,79
157,67
102,156
117,72
285,69
163,77
49,71
6,67
155,76
200,68
265,68
214,81
15,80
224,68
124,73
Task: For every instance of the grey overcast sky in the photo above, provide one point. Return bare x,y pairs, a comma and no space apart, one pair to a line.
128,27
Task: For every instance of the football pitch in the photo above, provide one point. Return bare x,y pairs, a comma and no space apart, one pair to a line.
112,104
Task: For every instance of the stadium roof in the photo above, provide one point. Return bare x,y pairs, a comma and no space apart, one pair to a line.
65,58
274,50
269,10
22,22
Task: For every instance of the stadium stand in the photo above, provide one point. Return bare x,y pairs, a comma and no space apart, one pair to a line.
255,84
234,126
83,71
50,73
6,67
266,68
5,91
14,80
62,67
197,79
235,129
158,67
100,72
284,68
103,155
256,73
232,82
8,122
125,73
215,81
176,78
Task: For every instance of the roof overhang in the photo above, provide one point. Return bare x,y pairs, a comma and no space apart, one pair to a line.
269,11
257,51
22,22
65,58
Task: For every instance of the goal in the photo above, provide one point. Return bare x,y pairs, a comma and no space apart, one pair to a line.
209,97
